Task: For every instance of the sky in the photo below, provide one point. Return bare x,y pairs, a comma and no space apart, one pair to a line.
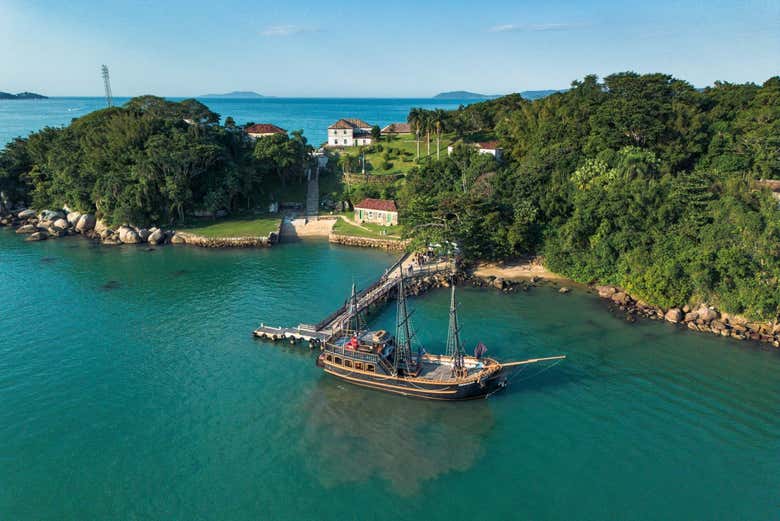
394,48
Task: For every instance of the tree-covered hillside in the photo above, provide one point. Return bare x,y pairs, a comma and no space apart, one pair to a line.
637,180
151,161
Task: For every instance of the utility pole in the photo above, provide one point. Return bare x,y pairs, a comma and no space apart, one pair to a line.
107,85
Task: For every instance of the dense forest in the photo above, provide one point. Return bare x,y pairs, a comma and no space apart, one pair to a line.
638,180
150,161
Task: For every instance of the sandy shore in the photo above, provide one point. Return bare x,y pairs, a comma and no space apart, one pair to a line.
519,269
301,228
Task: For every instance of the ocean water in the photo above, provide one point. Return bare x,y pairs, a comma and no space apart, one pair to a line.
131,388
312,115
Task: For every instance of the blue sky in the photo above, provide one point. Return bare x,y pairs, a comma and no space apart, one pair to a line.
385,48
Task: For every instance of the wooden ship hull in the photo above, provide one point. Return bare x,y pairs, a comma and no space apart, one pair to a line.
479,385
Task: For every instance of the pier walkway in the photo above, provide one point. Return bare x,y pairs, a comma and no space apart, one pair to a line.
338,320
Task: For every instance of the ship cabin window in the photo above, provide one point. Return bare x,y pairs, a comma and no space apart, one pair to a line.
337,360
347,363
329,358
359,366
370,368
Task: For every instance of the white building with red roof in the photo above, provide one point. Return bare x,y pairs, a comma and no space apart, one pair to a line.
377,211
259,130
349,132
485,147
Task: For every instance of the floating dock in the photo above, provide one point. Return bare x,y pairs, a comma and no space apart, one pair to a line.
338,320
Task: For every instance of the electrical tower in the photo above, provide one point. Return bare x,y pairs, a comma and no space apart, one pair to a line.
107,85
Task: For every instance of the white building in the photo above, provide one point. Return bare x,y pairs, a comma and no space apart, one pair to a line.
487,147
349,132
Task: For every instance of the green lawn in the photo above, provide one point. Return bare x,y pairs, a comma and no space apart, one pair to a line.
235,227
373,231
402,151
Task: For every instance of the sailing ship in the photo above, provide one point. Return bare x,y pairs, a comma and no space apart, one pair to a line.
390,363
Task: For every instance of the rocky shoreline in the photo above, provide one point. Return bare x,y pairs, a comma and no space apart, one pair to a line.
51,224
702,318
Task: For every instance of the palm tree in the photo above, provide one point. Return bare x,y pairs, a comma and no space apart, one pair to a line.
428,124
438,123
414,120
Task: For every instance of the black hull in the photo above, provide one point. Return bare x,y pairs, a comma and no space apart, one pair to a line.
419,388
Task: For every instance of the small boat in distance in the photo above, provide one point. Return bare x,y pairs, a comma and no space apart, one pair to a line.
381,361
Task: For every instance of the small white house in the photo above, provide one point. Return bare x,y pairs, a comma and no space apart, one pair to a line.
349,132
487,147
378,211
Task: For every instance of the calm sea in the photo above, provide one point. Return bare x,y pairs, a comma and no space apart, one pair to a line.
312,115
131,388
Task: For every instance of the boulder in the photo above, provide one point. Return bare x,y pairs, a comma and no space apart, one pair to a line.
55,231
143,233
498,283
707,314
564,289
606,291
27,228
691,317
674,315
38,236
100,225
26,214
106,233
177,239
621,297
52,215
62,224
128,235
156,237
86,223
73,218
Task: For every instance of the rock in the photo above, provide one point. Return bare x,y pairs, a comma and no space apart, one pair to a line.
177,239
86,223
73,218
706,314
498,283
128,235
27,228
52,215
38,236
105,234
62,224
686,308
776,329
606,291
691,317
717,325
144,234
564,290
55,231
621,297
26,214
101,225
156,237
674,315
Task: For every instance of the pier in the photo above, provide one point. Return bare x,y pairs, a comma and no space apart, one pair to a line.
333,324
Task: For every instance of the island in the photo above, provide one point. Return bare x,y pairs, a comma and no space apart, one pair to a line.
236,94
22,95
464,94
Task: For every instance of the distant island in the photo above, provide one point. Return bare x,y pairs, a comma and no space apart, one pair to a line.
236,94
22,95
464,94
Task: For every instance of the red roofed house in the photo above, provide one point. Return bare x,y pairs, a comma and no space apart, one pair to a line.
397,128
263,129
378,211
486,147
349,132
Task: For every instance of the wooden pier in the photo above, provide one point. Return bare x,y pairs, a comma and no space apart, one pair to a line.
338,320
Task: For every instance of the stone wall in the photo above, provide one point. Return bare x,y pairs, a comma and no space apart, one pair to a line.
367,242
222,242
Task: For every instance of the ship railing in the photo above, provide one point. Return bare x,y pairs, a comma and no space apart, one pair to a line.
353,353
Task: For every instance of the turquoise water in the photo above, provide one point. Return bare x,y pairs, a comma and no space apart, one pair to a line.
131,388
313,115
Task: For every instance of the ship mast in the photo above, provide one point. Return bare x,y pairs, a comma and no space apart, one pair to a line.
454,348
402,360
354,314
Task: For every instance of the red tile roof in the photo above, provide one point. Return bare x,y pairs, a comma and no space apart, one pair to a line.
384,205
491,145
398,128
347,123
264,128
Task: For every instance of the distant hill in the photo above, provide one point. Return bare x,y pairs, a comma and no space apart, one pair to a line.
236,94
538,94
21,95
464,94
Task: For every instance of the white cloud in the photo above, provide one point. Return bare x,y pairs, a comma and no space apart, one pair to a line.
286,30
510,28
